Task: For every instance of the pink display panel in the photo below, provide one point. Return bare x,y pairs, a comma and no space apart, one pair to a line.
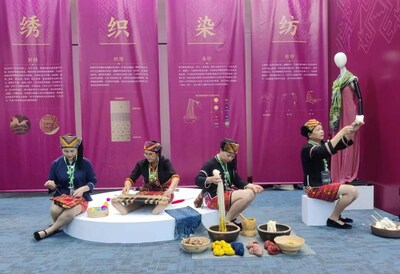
118,52
37,96
206,74
289,83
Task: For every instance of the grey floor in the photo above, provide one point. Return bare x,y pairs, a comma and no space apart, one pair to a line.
335,251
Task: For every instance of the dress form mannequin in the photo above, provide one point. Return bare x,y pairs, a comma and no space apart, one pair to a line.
340,61
346,107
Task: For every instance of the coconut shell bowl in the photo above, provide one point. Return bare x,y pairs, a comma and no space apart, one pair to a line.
265,235
230,235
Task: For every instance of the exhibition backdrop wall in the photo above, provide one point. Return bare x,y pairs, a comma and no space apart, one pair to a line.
119,83
37,95
273,61
289,79
369,33
206,80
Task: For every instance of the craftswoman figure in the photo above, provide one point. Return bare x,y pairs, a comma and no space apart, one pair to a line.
317,180
238,193
71,179
157,172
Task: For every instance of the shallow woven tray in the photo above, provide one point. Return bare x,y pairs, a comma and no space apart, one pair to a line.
385,232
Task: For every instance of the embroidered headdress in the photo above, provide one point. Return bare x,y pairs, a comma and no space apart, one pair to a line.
152,146
309,126
229,145
70,141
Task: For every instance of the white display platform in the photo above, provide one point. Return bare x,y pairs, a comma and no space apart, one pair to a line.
365,198
138,226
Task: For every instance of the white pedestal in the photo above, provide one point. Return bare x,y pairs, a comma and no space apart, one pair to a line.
365,198
315,212
138,226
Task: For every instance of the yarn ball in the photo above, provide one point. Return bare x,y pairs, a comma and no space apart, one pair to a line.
238,247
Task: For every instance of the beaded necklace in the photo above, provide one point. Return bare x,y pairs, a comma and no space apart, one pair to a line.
71,174
224,166
153,172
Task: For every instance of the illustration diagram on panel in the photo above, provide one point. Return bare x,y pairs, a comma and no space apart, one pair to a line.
190,116
120,121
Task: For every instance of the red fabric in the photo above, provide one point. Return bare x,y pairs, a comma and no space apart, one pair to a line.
326,192
84,205
345,163
67,202
213,202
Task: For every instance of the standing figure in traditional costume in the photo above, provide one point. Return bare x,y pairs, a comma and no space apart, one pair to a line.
317,180
157,172
346,106
238,194
71,180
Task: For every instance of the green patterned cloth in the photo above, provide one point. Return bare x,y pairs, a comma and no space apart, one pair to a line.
336,106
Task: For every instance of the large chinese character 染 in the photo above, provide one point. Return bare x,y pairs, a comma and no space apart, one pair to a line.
30,26
115,28
205,27
288,26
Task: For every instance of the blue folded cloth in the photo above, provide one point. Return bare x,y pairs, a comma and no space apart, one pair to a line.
187,220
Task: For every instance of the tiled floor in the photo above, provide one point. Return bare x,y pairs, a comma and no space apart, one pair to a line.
336,251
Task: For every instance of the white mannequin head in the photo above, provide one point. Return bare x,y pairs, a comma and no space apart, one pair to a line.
340,59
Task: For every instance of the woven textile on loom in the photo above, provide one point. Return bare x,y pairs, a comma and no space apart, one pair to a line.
187,220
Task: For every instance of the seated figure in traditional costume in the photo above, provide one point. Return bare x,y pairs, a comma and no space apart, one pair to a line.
317,180
238,194
160,178
71,180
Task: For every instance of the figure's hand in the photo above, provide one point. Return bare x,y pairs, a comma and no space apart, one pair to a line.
168,193
216,179
347,131
357,124
255,188
127,187
258,189
78,192
50,184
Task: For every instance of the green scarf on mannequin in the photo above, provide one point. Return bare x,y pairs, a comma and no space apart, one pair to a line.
336,106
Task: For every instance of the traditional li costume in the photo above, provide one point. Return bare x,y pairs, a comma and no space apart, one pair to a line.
346,96
69,176
314,159
229,175
156,178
